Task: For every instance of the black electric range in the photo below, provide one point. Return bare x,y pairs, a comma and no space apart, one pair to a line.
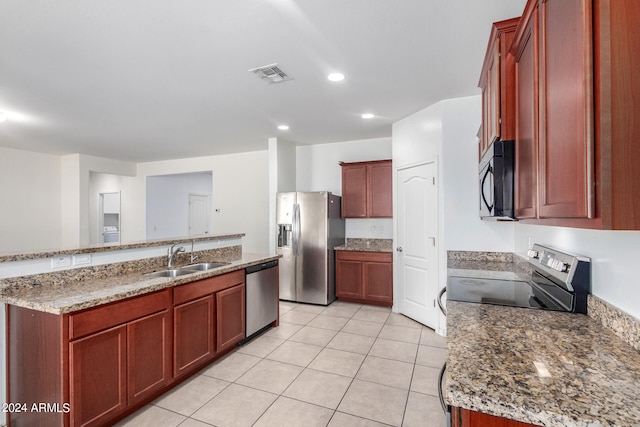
559,281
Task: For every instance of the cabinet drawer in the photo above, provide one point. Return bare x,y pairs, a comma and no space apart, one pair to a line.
109,315
364,256
191,291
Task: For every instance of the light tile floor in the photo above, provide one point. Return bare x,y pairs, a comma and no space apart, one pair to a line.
341,365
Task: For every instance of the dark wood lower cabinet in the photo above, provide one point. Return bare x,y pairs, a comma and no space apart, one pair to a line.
193,334
96,366
229,317
148,355
98,377
466,418
364,277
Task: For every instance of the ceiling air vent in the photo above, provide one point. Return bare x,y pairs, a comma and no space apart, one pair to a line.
272,73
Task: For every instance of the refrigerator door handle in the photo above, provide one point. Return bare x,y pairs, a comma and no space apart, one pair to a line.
296,229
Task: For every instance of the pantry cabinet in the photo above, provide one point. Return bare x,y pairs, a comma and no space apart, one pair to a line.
497,81
366,189
576,104
364,277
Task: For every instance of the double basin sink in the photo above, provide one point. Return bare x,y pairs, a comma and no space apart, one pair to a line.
187,269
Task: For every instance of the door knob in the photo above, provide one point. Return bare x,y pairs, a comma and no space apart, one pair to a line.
399,249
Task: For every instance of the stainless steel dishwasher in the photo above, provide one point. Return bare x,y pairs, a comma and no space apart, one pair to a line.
262,296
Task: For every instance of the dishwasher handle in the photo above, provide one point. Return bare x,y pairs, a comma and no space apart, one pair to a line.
260,267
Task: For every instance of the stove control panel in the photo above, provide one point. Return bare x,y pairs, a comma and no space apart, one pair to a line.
533,254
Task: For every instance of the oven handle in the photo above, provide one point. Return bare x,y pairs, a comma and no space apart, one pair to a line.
484,178
445,408
439,299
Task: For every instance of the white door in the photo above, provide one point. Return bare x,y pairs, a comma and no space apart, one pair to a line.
198,214
416,244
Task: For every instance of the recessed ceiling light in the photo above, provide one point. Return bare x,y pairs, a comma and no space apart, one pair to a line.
336,77
368,116
3,117
283,127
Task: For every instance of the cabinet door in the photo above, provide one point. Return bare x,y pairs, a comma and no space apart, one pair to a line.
493,96
98,376
193,334
379,200
378,279
230,317
566,109
349,280
526,185
354,191
467,418
148,355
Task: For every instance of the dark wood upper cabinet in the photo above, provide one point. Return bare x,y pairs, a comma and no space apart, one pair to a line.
577,104
566,145
354,190
526,133
497,81
366,189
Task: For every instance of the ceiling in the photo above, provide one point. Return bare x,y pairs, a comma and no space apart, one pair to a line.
146,80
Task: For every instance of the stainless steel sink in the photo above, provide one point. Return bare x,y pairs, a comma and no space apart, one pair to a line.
174,272
187,269
204,266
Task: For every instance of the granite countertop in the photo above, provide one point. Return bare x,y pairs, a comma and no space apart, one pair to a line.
108,247
73,296
366,245
541,367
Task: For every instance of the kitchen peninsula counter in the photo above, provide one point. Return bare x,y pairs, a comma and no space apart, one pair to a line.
540,367
59,297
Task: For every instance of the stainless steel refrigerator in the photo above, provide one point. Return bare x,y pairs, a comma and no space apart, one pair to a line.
308,226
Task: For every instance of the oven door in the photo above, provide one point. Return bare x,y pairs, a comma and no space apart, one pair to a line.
487,188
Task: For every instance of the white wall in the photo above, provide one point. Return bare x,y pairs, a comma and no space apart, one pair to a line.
167,206
30,212
318,170
614,256
445,132
463,227
282,178
240,191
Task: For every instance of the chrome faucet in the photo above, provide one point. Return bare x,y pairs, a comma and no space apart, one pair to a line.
172,252
193,256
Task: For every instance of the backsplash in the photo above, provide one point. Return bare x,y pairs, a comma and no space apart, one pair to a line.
59,278
622,324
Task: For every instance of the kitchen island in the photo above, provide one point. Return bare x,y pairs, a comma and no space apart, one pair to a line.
88,346
540,367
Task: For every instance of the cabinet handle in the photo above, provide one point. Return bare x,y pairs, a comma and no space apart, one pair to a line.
399,249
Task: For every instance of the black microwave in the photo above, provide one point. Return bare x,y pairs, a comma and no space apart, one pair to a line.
496,181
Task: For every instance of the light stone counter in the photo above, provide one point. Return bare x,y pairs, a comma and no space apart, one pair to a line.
541,367
60,295
366,245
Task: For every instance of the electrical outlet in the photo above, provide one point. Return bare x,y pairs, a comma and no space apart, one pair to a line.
82,259
60,262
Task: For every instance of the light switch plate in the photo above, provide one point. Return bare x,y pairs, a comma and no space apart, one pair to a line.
81,259
63,261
